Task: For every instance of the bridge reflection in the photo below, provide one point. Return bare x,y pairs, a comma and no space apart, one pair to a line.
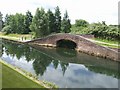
43,57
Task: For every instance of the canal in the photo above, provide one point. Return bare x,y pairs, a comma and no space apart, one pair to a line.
64,67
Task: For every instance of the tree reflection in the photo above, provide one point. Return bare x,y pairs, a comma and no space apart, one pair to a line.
66,52
64,66
55,63
41,63
41,60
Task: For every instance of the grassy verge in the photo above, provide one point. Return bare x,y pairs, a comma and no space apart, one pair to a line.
26,37
108,45
106,41
13,78
18,37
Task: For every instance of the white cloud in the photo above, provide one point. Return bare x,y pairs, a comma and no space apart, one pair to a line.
90,10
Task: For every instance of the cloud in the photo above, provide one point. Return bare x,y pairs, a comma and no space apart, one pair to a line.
82,79
90,10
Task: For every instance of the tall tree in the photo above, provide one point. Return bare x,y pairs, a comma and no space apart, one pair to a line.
7,18
51,21
39,23
1,21
28,21
11,21
20,26
65,25
14,23
57,20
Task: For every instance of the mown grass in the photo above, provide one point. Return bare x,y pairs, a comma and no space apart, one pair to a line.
107,41
107,45
16,36
19,37
13,79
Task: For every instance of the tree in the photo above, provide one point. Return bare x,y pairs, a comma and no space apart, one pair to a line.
11,21
20,26
51,21
7,17
81,23
39,23
1,22
7,29
16,23
28,21
65,25
57,20
98,29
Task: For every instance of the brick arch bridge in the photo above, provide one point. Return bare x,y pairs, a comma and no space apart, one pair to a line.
82,44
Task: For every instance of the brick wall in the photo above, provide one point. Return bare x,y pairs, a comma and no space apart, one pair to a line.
83,45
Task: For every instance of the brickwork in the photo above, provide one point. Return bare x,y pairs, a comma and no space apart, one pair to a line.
83,45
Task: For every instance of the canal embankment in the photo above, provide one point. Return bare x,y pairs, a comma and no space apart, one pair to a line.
84,45
14,77
57,64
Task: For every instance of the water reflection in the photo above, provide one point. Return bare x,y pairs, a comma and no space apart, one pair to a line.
68,60
66,52
40,60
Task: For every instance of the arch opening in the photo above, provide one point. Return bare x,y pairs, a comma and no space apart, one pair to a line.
66,44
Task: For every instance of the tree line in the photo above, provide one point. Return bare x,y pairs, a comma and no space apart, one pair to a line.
40,60
17,23
45,23
99,30
42,23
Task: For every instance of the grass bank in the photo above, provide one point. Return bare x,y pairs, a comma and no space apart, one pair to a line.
27,37
14,78
106,43
17,37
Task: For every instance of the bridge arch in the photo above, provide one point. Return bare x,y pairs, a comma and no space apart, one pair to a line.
80,44
65,43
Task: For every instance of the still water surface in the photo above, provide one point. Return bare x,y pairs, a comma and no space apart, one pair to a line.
64,67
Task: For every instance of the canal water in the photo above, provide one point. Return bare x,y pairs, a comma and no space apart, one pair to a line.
64,67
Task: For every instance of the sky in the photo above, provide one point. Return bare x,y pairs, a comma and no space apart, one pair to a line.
89,10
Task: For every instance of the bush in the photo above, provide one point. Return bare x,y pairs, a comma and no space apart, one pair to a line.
7,29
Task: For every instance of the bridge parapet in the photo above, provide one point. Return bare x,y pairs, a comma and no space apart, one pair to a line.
83,45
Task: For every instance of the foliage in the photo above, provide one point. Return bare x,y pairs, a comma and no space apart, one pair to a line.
41,60
81,23
65,25
51,21
1,21
79,30
39,23
80,27
44,23
100,30
28,21
16,22
7,29
57,20
19,23
1,16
